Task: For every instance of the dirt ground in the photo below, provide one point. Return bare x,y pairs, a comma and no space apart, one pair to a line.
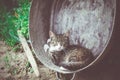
15,66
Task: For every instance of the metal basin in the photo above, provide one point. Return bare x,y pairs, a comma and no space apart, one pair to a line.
91,25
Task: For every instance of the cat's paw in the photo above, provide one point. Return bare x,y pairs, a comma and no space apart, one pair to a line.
62,68
48,40
46,47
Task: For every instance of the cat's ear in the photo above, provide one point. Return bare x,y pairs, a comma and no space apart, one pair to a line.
51,34
67,34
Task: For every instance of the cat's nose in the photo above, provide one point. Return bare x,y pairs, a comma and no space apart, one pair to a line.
59,48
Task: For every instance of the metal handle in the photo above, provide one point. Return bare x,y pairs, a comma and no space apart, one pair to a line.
61,76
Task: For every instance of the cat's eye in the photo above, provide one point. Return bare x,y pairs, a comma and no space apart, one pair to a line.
54,43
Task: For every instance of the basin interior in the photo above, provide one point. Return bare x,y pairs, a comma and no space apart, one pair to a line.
90,23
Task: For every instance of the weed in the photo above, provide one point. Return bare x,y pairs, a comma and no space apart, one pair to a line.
16,19
7,60
28,67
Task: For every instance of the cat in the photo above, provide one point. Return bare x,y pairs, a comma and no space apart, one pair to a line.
71,57
55,44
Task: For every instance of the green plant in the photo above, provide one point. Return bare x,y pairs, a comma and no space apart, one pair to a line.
16,19
29,68
7,60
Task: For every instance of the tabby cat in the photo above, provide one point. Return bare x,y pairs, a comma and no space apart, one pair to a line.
55,44
67,56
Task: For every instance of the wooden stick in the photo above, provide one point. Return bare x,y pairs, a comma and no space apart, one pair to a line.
29,53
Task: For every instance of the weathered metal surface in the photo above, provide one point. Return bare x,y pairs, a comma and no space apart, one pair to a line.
91,24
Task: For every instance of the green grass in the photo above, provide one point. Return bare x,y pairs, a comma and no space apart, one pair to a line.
13,20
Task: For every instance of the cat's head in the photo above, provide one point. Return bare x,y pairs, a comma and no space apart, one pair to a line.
58,42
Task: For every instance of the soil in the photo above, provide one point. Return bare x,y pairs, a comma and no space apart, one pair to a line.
15,66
